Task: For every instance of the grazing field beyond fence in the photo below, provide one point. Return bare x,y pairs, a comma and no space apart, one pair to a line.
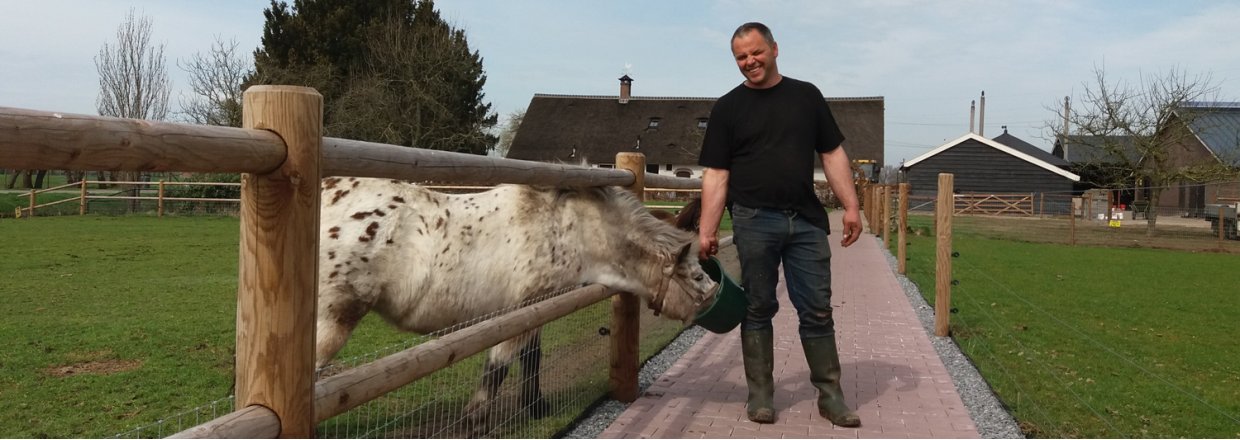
1093,341
124,325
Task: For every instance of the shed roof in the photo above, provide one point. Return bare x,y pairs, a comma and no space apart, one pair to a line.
572,128
578,127
1085,149
1217,126
998,146
1024,147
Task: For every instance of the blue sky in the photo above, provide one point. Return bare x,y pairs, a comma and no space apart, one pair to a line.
929,59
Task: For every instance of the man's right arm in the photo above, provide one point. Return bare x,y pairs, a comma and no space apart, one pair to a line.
714,195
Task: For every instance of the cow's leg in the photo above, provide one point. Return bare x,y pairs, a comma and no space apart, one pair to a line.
339,311
531,393
493,374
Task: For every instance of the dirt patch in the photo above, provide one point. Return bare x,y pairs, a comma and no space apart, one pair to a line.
102,367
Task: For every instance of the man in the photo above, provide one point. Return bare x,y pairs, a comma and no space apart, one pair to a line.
759,154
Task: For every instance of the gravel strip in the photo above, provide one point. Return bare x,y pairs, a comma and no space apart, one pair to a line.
603,414
987,412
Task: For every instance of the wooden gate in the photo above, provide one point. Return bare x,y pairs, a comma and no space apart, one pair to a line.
995,204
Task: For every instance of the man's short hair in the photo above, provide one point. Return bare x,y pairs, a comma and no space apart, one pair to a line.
755,26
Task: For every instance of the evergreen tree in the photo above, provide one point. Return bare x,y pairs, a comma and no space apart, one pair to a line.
390,71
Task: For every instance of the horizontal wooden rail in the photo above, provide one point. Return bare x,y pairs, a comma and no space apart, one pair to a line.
255,421
336,394
39,140
696,190
355,386
345,157
47,140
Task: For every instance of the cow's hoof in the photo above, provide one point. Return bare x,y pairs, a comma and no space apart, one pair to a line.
476,412
539,408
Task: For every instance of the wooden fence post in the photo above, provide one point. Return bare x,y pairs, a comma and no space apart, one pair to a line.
82,199
32,195
902,245
1072,220
278,266
160,203
886,212
625,307
871,205
943,256
875,216
1222,225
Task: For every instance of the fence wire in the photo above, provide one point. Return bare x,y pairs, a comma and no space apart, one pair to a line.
1037,377
575,356
573,374
181,421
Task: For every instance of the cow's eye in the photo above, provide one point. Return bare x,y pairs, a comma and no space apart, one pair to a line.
699,277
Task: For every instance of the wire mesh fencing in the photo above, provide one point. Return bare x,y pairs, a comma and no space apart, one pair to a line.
477,398
571,357
1091,219
181,421
1070,367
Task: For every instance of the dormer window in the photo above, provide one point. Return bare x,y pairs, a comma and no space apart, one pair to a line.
701,123
654,123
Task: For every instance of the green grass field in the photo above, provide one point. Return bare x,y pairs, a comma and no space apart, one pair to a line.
1096,342
113,322
116,322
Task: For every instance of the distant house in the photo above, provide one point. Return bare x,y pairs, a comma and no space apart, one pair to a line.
668,130
1214,137
1215,129
1001,165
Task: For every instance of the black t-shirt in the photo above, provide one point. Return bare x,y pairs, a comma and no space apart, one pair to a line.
768,140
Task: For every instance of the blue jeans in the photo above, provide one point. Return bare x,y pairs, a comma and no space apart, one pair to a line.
764,238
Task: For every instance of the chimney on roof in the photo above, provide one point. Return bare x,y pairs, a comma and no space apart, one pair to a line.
626,89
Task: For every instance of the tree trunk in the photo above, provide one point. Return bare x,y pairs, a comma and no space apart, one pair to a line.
27,179
1151,215
12,180
38,180
74,176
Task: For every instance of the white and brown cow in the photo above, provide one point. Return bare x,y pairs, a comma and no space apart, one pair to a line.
425,260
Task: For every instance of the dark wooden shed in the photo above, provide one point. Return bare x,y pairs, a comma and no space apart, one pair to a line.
989,166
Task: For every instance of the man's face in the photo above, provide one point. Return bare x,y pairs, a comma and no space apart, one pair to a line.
756,59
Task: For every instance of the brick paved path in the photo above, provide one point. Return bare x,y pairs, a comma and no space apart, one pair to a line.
892,376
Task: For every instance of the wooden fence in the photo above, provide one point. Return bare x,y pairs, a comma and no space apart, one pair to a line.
84,196
161,194
994,204
283,156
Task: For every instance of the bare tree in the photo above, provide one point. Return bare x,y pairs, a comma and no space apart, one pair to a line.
1131,132
890,175
215,79
509,133
133,82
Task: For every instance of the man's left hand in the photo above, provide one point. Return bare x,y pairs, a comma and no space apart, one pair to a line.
852,227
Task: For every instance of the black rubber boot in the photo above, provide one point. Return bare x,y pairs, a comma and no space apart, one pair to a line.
824,373
758,351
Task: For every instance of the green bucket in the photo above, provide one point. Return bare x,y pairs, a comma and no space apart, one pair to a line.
730,304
